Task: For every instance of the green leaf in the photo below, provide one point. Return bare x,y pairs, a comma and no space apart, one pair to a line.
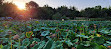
1,46
102,47
108,42
104,31
36,39
48,44
92,46
29,27
98,40
16,44
36,29
26,43
68,42
82,36
41,45
6,47
1,31
21,47
4,40
87,43
23,35
28,34
35,46
43,28
45,33
26,39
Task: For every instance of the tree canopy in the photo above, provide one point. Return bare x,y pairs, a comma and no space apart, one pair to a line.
33,10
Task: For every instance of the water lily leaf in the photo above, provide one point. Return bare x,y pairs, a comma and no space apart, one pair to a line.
92,46
109,34
87,43
21,47
102,47
108,42
26,43
1,31
1,46
23,35
43,28
6,47
41,45
104,31
36,39
48,37
98,40
29,27
26,39
4,40
82,36
48,44
58,43
36,21
52,28
36,29
45,33
35,46
16,44
29,34
76,40
68,42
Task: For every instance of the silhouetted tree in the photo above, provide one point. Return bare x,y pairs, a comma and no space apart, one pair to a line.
57,16
46,12
1,2
8,9
32,9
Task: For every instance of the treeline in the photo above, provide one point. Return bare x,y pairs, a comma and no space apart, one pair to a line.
33,10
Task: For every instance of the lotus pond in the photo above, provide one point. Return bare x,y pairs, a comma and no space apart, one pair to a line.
55,34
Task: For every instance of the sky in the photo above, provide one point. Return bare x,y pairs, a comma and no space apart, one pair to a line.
79,4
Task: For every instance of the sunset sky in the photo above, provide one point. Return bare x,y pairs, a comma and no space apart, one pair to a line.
79,4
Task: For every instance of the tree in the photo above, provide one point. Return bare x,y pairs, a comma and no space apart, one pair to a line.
57,16
46,12
8,9
74,12
109,11
32,9
1,2
88,12
63,10
96,12
68,12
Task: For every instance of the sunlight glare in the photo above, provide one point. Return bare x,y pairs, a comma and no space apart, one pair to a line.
20,5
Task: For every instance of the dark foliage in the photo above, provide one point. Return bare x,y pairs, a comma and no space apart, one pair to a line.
48,13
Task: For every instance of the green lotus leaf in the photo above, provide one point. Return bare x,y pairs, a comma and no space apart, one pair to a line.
98,40
92,46
6,47
1,46
22,47
36,39
36,29
45,33
48,44
26,43
82,36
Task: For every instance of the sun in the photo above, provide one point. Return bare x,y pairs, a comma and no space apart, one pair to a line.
20,5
